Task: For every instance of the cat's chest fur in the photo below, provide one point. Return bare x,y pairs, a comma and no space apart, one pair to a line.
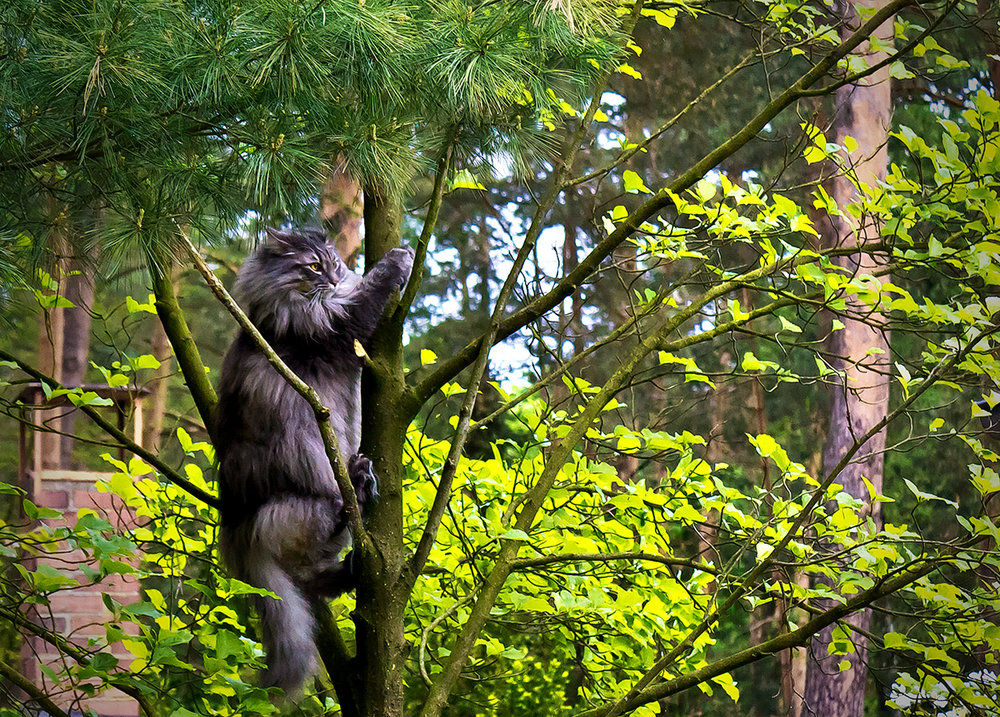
270,407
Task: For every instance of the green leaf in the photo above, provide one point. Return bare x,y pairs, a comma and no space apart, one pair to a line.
464,180
893,640
515,534
629,443
633,183
923,497
146,361
133,306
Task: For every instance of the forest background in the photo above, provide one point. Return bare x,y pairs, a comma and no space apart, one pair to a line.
723,273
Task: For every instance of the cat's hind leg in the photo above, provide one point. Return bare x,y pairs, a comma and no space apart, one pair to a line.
257,553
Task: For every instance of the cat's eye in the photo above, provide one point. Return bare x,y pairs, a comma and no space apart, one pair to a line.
315,267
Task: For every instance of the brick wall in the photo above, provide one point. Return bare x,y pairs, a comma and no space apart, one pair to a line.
79,613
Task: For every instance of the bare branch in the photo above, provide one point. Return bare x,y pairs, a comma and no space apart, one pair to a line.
430,221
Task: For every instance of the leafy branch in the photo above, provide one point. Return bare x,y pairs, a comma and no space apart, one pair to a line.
120,681
796,638
819,492
111,429
33,691
450,368
559,454
570,147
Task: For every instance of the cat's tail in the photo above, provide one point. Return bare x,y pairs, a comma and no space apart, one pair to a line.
286,627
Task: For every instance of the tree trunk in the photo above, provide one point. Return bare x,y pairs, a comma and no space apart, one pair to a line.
861,401
381,645
63,349
75,345
340,210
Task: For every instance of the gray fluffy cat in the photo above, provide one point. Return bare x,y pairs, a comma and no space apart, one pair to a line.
282,517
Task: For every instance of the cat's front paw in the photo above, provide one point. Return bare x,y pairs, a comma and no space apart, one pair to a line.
362,475
401,261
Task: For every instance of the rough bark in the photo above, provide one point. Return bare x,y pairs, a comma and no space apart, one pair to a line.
381,645
341,211
861,400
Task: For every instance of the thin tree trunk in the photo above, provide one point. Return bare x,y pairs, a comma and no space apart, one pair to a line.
153,419
75,345
864,113
340,210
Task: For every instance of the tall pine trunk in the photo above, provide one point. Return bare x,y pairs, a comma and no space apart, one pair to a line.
860,400
341,210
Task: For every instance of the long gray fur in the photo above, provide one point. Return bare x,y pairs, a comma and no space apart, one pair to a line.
283,527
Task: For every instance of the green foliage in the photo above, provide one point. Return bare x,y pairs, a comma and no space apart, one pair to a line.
678,403
186,645
179,114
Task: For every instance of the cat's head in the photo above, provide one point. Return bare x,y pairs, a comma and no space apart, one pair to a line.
295,282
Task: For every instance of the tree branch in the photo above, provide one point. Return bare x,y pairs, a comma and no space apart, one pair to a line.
337,660
123,440
651,307
561,451
30,689
183,344
430,221
76,653
534,497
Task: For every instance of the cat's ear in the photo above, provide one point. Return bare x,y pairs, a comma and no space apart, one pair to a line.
278,240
